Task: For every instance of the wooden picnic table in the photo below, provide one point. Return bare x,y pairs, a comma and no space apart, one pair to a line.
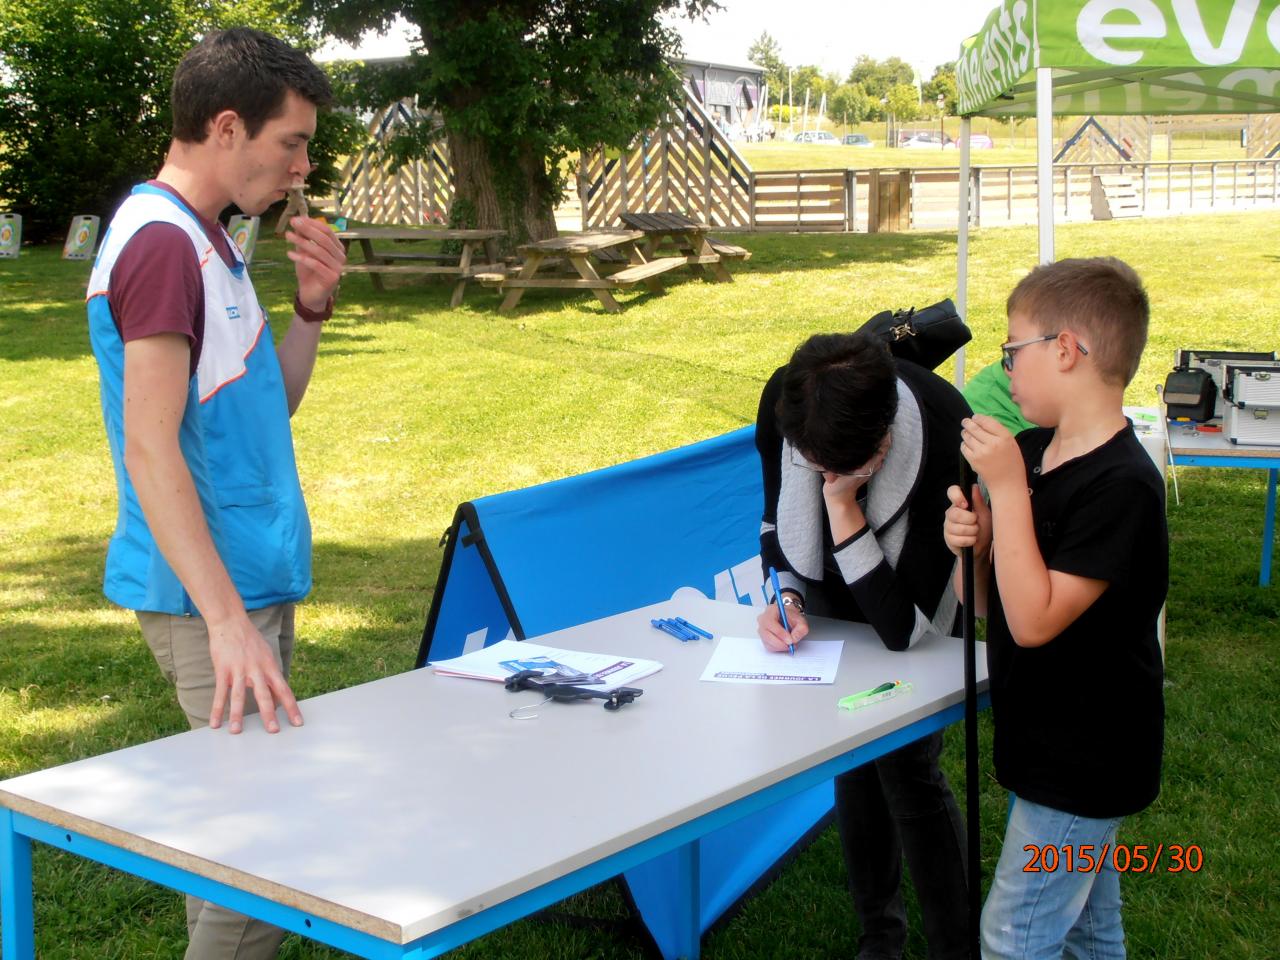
689,238
463,266
580,249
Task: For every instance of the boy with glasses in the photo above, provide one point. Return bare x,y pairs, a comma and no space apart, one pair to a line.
1071,570
857,452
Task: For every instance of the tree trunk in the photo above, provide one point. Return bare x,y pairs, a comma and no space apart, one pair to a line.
517,198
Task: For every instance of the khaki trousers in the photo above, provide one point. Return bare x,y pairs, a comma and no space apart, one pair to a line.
181,648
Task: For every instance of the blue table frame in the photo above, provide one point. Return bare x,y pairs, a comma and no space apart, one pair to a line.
1250,458
23,820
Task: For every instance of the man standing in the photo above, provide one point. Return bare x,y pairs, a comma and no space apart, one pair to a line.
212,546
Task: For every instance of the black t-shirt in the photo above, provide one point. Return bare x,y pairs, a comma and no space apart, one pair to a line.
1079,721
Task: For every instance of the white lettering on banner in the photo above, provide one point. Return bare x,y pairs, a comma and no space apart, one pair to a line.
1020,36
475,639
1181,101
1233,37
1002,36
1094,33
1264,82
1000,56
741,583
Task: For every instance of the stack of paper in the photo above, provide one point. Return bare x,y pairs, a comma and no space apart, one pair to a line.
597,670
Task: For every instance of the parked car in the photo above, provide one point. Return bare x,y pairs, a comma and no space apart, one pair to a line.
856,140
977,141
920,139
823,137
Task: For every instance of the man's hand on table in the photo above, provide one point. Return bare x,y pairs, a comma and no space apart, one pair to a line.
243,661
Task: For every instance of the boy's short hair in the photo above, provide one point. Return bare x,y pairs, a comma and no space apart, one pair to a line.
244,70
839,397
1100,299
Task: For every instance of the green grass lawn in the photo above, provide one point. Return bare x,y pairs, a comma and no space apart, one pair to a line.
415,407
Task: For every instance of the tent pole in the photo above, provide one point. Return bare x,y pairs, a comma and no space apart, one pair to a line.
962,241
1044,160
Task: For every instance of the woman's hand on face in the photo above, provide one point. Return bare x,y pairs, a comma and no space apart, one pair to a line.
838,487
772,634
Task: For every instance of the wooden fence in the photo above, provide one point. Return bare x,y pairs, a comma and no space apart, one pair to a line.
686,165
418,193
1007,195
886,200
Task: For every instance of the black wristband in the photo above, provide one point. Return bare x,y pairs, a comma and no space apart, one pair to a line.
313,316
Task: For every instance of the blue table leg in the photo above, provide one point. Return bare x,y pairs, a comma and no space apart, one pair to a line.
1268,529
18,941
689,896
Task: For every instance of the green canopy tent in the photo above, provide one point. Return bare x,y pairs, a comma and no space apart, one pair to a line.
1044,58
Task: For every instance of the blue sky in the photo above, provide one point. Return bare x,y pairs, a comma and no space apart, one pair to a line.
829,33
832,34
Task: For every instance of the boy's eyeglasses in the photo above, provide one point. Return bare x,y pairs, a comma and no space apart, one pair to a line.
797,458
1007,350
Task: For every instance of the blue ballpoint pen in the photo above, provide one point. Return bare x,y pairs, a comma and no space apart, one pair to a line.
676,626
669,629
782,611
684,628
696,629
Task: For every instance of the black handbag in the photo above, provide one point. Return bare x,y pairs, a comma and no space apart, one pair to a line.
926,337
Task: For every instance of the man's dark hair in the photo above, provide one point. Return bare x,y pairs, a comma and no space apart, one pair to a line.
839,398
244,70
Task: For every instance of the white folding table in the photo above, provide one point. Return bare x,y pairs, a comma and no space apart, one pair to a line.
412,814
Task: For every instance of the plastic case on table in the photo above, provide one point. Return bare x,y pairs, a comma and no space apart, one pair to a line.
1215,363
1252,413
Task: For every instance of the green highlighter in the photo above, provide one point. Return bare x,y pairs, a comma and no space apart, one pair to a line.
865,698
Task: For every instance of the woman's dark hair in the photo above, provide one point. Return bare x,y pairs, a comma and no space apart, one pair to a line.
839,398
244,70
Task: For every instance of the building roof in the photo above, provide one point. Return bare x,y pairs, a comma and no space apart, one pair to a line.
691,62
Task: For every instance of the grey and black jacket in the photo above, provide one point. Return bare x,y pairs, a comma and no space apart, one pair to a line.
896,573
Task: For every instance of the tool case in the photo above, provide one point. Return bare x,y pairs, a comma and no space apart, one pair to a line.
1252,404
1215,362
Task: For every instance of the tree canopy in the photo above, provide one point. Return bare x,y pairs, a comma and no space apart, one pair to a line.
943,82
878,77
84,96
766,54
519,85
872,89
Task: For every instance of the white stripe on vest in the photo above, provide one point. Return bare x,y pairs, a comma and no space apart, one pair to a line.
233,318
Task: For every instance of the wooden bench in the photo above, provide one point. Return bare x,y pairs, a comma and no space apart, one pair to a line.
477,253
579,250
645,271
703,255
729,251
415,268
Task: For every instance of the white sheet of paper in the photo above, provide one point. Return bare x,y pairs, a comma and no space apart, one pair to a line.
487,663
745,660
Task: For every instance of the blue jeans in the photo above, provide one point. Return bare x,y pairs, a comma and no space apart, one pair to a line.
1048,914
